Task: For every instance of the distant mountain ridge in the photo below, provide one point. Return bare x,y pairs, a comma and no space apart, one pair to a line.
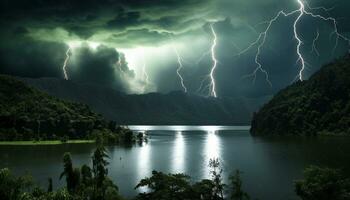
174,108
320,105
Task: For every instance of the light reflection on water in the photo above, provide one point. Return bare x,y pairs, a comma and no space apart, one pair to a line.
188,128
178,159
144,156
144,165
275,162
211,150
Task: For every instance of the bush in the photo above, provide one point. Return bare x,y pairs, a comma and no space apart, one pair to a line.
323,184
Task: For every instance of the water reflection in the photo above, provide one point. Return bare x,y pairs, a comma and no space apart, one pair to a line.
178,160
212,149
144,165
187,128
280,160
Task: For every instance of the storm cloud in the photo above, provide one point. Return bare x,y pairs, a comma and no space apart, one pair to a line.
98,66
35,59
130,35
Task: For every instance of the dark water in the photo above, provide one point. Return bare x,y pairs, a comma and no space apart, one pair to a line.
269,164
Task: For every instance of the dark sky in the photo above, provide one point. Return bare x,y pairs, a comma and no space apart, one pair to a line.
115,42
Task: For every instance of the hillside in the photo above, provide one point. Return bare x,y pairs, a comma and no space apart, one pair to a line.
318,105
27,113
175,108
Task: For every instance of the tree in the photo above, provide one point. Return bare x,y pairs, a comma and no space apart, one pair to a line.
128,137
12,187
110,190
204,190
323,184
86,174
69,173
76,178
216,174
100,171
165,186
236,184
99,162
49,188
61,194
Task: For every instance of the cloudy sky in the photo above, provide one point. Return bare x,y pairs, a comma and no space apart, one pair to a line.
133,45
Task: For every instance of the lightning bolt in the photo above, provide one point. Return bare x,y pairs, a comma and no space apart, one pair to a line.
210,77
301,11
314,48
318,8
179,60
215,62
144,71
260,42
296,36
64,67
335,26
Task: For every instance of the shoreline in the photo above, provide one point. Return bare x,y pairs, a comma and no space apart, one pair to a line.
45,142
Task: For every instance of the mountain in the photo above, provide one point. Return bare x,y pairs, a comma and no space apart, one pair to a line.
174,108
320,105
27,113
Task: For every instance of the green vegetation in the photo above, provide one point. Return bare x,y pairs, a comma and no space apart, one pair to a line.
46,142
27,114
81,183
236,184
323,184
320,105
178,186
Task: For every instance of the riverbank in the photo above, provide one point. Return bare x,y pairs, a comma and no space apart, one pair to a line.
45,142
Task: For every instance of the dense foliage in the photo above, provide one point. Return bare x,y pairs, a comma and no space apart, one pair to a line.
323,184
162,186
320,105
81,183
27,114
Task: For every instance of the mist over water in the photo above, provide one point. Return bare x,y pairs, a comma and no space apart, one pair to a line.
267,163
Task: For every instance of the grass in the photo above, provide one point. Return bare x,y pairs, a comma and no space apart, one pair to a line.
45,142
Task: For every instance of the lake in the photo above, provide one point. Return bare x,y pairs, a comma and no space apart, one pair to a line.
269,164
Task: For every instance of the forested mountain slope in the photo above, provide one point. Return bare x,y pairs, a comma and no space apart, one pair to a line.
26,112
318,105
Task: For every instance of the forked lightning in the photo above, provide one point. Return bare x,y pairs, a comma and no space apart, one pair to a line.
64,67
303,10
